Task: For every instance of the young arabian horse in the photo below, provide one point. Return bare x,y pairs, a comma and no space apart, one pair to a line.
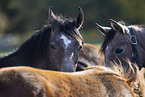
95,82
124,42
55,47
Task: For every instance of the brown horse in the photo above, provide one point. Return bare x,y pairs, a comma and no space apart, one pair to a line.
56,46
124,42
89,56
95,82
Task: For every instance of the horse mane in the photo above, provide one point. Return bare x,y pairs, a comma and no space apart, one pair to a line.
111,33
128,76
67,26
108,37
36,47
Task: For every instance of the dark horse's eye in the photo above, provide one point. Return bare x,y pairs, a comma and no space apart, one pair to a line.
52,45
80,47
118,50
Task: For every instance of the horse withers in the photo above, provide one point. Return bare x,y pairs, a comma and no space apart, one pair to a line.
56,46
95,82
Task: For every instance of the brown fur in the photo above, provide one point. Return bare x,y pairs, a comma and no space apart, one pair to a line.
89,55
139,85
117,46
31,82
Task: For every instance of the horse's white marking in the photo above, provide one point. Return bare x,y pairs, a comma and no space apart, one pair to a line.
65,40
72,54
107,48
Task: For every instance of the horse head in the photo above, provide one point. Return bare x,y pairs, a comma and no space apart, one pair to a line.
120,44
65,41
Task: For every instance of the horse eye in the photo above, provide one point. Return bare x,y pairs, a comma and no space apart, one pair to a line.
80,47
118,50
52,45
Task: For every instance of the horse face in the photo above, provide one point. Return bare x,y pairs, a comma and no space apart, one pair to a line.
116,46
118,50
65,42
64,51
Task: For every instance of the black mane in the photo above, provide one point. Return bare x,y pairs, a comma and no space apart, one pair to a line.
67,25
36,47
108,37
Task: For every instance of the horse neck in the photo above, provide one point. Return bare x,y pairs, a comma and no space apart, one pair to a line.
32,52
15,59
141,45
9,60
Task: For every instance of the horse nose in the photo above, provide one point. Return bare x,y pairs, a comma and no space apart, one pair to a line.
68,68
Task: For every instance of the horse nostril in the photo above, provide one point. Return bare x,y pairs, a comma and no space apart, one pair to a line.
52,45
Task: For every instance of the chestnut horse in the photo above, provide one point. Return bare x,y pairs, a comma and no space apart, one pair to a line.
97,81
124,42
55,47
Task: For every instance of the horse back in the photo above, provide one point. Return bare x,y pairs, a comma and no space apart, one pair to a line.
31,82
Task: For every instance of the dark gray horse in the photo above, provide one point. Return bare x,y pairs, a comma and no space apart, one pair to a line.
122,43
55,47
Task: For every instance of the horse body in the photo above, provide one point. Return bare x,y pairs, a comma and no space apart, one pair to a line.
32,82
89,56
56,46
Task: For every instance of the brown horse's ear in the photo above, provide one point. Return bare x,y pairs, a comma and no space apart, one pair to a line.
119,27
51,15
102,29
79,19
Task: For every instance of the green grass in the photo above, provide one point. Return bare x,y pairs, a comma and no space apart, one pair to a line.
4,53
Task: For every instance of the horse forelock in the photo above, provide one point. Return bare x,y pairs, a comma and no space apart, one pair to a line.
67,26
108,37
140,28
111,33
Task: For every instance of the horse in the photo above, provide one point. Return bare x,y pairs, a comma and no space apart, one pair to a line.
56,46
123,43
98,81
89,56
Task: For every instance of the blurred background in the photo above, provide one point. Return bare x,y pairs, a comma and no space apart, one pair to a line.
19,19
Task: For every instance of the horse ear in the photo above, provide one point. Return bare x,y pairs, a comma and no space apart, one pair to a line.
51,15
102,29
79,19
119,27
